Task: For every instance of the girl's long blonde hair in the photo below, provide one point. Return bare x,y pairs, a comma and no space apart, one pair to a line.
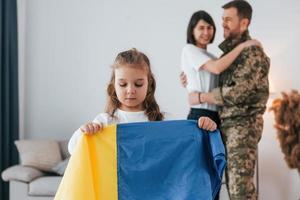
134,58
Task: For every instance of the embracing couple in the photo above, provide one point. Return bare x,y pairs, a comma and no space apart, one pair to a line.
231,90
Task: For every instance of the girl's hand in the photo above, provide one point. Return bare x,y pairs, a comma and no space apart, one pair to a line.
252,42
91,128
207,124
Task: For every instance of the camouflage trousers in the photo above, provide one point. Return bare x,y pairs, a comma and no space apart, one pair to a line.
241,137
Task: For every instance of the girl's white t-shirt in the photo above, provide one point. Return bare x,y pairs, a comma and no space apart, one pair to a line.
104,118
199,80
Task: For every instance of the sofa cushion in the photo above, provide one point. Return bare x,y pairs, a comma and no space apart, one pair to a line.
61,167
21,173
41,154
64,148
44,186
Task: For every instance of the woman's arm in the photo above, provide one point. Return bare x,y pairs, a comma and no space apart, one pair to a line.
221,64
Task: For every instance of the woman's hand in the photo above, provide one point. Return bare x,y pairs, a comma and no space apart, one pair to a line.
91,128
194,98
207,124
252,42
183,79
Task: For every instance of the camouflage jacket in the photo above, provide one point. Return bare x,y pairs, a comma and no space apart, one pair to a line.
244,87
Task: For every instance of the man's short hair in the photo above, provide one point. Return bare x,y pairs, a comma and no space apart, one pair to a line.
244,9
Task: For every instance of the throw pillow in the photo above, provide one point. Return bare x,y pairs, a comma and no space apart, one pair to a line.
61,167
41,154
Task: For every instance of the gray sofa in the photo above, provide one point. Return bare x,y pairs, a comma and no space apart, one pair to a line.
31,183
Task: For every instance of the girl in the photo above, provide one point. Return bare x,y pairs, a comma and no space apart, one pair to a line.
130,97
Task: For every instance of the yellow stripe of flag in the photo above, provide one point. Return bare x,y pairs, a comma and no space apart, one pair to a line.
95,174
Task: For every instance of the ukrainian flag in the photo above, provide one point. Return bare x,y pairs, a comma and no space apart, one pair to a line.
167,160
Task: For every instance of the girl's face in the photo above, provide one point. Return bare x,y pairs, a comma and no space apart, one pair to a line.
131,86
203,33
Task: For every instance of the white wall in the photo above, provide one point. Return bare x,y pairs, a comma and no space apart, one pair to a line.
67,47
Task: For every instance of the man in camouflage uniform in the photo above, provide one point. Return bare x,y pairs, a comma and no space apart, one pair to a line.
242,93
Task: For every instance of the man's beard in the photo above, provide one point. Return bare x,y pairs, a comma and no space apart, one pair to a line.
230,34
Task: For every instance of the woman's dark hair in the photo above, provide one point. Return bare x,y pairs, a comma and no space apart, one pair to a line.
196,17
